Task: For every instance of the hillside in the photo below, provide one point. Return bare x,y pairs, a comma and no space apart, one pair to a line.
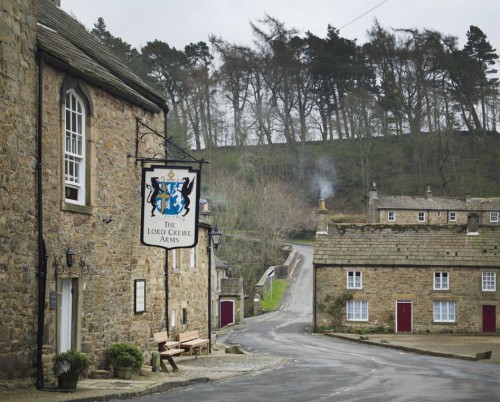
343,170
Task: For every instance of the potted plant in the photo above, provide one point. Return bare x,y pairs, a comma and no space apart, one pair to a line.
68,366
125,357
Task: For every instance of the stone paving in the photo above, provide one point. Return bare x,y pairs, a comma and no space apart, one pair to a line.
220,365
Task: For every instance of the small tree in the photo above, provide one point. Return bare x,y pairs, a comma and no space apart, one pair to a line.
332,305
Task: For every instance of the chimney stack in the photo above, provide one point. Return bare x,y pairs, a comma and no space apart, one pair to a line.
322,212
429,192
473,224
373,193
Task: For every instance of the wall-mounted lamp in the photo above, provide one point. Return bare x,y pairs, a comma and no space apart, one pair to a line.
70,257
216,235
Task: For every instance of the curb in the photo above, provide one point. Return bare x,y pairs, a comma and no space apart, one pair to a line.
404,348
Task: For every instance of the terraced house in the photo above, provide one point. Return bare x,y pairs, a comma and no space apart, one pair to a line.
409,278
73,271
430,209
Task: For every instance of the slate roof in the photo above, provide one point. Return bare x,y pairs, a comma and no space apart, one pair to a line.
71,47
438,203
231,286
408,245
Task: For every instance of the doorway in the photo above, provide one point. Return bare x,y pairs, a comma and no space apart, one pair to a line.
226,313
489,319
404,317
68,304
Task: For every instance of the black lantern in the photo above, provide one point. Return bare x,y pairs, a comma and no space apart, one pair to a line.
70,254
216,235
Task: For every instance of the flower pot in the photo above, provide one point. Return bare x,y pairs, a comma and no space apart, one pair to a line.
146,370
123,372
68,380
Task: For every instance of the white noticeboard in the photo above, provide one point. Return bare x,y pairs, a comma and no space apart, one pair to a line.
170,198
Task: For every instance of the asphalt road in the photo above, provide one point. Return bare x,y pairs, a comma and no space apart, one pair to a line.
323,368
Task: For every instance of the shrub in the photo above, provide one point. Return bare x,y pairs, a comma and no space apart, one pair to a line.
71,362
125,355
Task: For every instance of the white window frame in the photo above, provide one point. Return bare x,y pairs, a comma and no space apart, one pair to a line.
175,260
173,318
438,214
453,216
494,216
391,216
489,281
192,257
421,216
439,281
444,311
354,280
74,147
357,310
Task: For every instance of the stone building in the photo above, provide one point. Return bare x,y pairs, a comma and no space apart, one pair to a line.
70,189
409,278
430,209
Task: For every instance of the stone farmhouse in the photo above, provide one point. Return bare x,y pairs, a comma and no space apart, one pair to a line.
430,209
409,278
71,190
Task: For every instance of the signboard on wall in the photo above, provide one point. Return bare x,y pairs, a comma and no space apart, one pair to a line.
170,198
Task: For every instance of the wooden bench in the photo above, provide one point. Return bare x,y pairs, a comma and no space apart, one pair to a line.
167,349
190,341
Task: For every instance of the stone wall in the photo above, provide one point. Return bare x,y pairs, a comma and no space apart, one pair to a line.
383,287
105,234
18,224
431,217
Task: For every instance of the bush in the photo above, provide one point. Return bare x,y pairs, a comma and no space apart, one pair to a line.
125,355
71,362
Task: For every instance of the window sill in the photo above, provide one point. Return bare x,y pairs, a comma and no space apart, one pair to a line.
81,209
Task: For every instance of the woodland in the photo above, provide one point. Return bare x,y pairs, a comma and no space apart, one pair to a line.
297,117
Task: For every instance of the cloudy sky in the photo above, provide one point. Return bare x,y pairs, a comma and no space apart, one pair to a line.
181,22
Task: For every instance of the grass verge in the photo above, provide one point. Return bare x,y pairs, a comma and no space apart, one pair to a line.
278,290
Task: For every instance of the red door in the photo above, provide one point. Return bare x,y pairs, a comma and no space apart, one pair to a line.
489,319
403,317
226,313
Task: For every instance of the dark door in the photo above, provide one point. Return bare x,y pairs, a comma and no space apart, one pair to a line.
489,319
226,313
404,317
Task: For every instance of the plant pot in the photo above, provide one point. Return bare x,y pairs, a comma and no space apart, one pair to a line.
146,370
123,372
68,380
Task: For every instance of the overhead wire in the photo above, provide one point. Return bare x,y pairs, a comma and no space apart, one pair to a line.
362,15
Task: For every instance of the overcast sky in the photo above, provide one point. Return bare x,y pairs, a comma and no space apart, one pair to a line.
181,22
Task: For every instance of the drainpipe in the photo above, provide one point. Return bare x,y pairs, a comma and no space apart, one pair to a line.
42,253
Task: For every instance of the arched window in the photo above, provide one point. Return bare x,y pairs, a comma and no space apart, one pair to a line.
74,151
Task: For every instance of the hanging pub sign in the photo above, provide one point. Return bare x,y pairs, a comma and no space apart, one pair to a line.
170,198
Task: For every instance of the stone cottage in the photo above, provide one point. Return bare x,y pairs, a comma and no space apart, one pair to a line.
73,272
409,278
430,209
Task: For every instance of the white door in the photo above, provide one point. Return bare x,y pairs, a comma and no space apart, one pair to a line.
66,315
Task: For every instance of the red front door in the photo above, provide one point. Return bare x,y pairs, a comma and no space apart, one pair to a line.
226,313
489,319
403,317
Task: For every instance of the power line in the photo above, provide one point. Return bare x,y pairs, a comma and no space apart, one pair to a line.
362,15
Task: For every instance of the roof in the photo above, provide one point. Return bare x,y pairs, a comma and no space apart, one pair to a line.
231,286
70,46
438,203
407,246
